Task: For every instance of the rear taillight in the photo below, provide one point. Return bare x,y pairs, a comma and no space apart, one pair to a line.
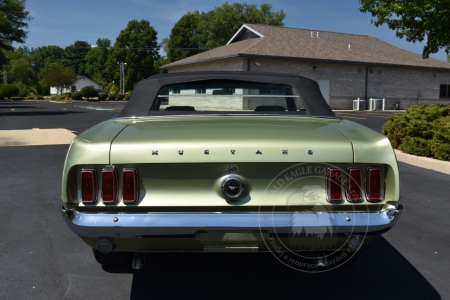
353,185
89,186
130,185
109,185
333,182
373,184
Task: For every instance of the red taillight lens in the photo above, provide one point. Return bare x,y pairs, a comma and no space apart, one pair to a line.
130,185
334,189
353,185
89,185
109,186
373,184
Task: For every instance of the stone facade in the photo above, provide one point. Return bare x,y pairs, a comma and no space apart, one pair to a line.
347,81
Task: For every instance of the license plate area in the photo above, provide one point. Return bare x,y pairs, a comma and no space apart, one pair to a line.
231,248
225,241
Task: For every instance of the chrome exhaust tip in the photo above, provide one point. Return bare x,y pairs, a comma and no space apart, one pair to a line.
139,260
320,259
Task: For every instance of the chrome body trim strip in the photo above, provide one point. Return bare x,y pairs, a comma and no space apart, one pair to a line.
135,225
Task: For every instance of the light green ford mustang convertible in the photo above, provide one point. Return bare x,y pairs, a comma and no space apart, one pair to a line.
229,162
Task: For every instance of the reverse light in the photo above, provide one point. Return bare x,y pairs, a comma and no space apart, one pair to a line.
333,184
373,184
353,185
89,185
109,185
130,185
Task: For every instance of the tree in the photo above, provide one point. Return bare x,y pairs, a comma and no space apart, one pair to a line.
42,58
20,70
195,32
59,78
183,41
74,56
96,59
136,46
13,17
418,21
218,25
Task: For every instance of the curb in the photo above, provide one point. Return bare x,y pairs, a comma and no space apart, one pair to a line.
424,162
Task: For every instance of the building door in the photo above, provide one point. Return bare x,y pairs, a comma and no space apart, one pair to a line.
324,85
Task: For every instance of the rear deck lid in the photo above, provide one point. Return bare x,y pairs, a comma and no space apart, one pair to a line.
203,139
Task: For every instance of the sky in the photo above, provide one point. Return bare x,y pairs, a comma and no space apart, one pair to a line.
62,22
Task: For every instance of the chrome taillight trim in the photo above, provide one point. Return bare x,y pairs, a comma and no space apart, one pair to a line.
94,185
367,185
349,180
328,182
136,185
115,186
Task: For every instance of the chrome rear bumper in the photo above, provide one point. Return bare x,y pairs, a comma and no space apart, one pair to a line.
142,225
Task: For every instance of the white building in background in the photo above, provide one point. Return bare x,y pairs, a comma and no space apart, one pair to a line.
77,85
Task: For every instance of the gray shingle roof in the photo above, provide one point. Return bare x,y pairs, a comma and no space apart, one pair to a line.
296,43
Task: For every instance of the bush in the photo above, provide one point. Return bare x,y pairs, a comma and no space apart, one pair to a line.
127,97
9,90
112,96
77,96
24,90
120,96
102,96
89,92
423,130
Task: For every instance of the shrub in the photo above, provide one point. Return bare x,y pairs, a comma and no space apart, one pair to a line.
127,97
24,90
77,96
112,96
89,92
120,96
102,96
423,130
9,90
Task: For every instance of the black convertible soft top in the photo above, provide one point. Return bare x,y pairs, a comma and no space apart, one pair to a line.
146,91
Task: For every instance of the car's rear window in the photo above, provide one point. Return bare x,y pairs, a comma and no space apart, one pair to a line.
228,96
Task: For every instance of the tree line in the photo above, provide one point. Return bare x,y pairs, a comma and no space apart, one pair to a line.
34,70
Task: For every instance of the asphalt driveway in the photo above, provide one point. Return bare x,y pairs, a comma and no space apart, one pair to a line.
41,258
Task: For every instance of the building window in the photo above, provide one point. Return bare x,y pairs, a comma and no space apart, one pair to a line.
175,91
445,91
200,91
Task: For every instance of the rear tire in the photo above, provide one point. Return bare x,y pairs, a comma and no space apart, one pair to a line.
113,258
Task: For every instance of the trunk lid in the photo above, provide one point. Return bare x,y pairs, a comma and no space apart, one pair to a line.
253,139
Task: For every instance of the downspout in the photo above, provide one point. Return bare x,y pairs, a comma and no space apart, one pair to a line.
365,90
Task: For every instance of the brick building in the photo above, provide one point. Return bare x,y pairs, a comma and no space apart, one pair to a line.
346,66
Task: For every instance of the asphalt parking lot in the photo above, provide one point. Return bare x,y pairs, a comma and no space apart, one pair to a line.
41,258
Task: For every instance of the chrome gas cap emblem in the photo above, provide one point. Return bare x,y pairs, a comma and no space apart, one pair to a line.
232,188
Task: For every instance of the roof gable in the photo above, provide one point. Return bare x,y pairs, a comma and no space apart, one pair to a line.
245,33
